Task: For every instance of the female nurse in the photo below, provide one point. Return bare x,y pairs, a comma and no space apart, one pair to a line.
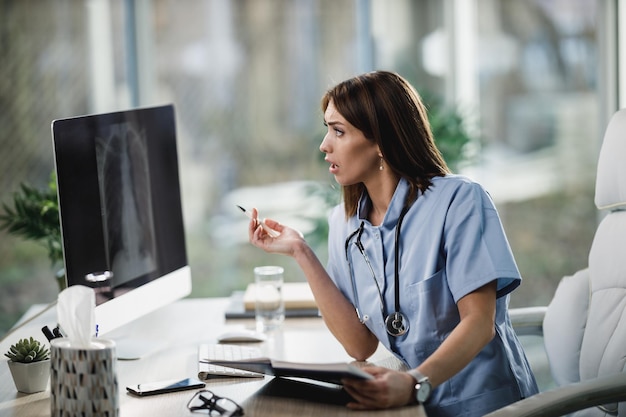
418,260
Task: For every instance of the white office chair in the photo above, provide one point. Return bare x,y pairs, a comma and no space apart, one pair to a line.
584,326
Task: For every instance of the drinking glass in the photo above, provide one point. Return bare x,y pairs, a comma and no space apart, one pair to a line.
268,297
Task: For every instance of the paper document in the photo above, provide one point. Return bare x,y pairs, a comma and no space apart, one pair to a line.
296,295
327,372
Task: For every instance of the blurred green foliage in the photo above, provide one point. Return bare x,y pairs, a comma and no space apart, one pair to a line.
448,125
35,216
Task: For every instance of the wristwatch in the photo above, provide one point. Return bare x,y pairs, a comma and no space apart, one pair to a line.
422,386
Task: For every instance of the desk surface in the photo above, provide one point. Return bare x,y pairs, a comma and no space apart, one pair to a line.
174,334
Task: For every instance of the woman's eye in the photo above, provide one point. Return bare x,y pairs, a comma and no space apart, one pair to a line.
336,130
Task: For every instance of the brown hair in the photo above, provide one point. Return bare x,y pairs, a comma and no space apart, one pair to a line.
390,112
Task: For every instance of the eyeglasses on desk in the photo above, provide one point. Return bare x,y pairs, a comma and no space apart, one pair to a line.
214,405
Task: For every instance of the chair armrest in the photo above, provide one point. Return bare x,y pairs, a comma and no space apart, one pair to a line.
564,400
528,320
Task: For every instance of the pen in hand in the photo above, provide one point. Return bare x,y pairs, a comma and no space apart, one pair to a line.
271,232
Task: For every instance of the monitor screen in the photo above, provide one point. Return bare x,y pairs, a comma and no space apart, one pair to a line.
120,209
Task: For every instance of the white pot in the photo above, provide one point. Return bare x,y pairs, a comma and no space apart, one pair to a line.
30,377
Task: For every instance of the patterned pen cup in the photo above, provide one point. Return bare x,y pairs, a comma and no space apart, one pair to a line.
83,382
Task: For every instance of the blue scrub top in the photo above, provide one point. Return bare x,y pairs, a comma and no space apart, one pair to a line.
451,243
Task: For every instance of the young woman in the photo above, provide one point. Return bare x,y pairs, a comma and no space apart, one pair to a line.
418,260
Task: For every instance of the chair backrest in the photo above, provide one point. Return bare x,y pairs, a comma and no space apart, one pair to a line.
585,325
564,327
603,350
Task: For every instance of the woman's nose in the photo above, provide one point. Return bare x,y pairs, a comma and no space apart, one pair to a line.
324,145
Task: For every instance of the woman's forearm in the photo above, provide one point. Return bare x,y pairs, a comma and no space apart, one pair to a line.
338,313
470,336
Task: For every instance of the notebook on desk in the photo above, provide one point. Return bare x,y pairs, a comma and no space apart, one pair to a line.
296,295
299,302
207,352
325,372
306,391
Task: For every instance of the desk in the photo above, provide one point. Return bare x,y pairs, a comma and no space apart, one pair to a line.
174,332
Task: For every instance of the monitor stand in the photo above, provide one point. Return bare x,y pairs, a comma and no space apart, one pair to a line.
130,348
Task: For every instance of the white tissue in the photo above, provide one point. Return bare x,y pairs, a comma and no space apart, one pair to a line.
76,315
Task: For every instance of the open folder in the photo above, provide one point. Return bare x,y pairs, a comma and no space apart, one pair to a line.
326,372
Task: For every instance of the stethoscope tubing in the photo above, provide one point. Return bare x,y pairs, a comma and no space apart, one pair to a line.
395,321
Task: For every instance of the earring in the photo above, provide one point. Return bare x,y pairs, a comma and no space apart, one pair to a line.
380,168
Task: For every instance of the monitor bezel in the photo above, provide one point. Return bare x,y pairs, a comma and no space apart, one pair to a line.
141,295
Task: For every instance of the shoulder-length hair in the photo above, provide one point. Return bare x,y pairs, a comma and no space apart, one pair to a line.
389,112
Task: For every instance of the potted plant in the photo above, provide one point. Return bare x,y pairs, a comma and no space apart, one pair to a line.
29,363
35,216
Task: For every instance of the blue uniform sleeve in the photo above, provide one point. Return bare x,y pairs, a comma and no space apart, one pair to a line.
477,249
336,265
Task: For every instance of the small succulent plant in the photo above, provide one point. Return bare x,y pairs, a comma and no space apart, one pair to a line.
27,351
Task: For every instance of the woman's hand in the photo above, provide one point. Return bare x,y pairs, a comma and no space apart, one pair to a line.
338,313
388,389
285,243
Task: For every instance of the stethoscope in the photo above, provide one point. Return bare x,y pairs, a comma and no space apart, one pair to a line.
396,323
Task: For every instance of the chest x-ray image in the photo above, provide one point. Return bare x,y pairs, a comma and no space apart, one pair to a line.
127,217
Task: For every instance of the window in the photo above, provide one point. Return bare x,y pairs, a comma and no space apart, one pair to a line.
246,78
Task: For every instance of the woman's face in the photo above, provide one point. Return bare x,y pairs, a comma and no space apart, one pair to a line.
352,157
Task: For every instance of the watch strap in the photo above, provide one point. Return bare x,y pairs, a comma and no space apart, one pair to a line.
417,375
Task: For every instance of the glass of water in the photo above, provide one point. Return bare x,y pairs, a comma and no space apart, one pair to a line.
268,297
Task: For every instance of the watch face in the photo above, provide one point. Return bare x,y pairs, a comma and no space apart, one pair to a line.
423,392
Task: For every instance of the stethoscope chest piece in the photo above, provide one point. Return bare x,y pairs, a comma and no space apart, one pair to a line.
397,324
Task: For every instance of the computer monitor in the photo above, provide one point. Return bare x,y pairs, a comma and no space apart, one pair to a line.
120,210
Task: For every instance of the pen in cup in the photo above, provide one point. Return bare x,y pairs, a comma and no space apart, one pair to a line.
48,333
51,334
271,232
